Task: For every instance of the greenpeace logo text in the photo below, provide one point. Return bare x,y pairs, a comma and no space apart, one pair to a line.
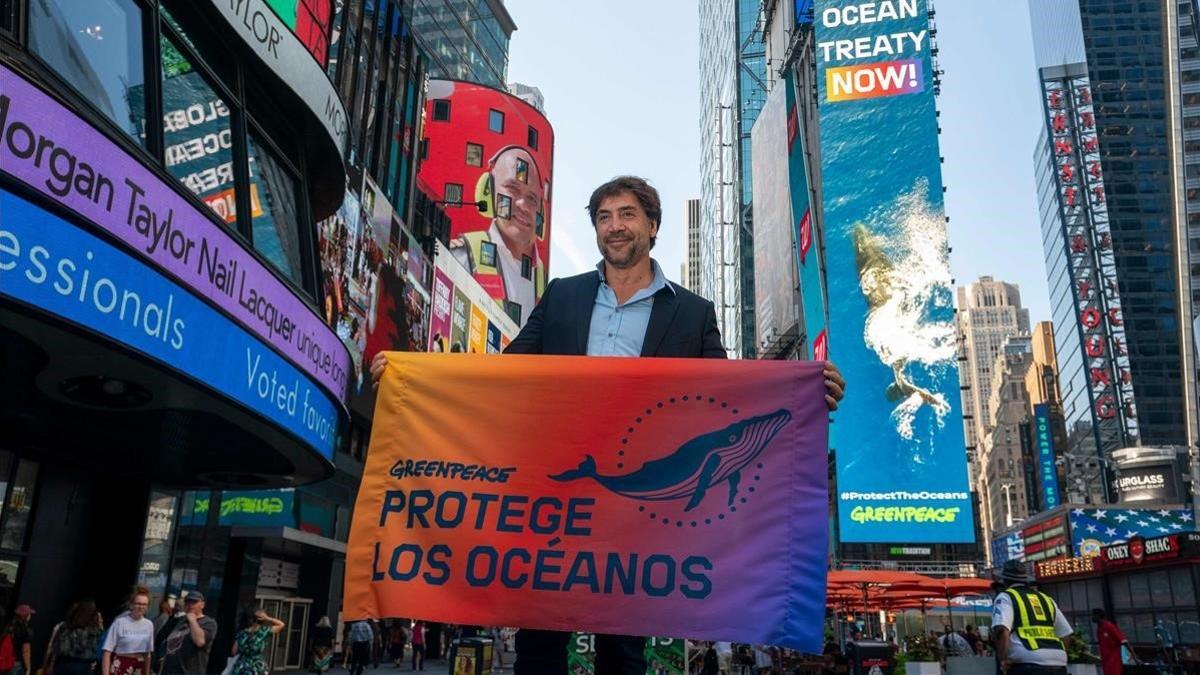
454,470
902,495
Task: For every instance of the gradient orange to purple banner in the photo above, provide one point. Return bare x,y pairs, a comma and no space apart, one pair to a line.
685,497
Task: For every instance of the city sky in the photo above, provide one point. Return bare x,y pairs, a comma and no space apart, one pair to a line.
621,83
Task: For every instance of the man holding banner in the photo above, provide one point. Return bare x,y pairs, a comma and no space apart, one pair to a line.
627,308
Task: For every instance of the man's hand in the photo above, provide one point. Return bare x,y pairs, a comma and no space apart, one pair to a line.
835,385
378,365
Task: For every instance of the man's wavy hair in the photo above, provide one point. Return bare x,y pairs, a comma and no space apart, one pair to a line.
645,193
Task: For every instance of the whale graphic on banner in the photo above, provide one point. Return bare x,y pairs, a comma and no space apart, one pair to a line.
695,466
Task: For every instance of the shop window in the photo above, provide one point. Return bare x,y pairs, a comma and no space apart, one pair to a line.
1160,589
1139,590
96,47
441,110
275,211
474,154
532,138
453,193
1189,628
197,138
1119,587
1182,588
19,505
496,121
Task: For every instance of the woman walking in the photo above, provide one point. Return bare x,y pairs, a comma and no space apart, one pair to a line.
398,637
250,643
130,641
75,641
418,645
322,646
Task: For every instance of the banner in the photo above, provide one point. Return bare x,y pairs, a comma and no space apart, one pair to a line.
806,237
901,458
464,318
612,495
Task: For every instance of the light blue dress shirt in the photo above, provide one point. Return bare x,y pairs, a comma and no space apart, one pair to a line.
620,329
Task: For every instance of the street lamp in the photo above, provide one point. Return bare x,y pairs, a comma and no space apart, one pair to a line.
1008,519
481,205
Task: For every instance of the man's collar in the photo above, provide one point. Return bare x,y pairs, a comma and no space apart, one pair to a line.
657,283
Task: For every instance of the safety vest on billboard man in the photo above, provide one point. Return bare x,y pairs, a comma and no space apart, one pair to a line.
1033,619
486,268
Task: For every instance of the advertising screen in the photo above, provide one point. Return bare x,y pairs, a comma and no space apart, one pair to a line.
464,318
1047,473
377,280
310,21
487,147
1093,529
805,235
1153,483
664,656
774,271
901,458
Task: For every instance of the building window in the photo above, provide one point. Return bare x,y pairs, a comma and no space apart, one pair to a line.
532,139
453,193
441,110
8,16
197,137
19,503
275,213
97,48
474,154
496,121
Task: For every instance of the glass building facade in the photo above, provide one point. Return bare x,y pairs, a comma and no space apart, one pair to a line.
1125,52
464,39
733,90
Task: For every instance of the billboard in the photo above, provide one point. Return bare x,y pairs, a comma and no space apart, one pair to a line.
805,235
1151,483
1093,529
463,317
310,20
377,281
1047,472
774,271
485,146
901,458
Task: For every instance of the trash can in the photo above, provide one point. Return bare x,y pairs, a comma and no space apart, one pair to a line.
870,657
471,656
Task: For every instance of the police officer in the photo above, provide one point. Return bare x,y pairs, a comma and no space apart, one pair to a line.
1027,627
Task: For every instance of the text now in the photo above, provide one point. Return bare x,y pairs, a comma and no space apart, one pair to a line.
873,80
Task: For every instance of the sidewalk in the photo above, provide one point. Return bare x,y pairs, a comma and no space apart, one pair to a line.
432,666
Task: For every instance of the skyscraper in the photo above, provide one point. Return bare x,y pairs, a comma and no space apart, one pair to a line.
1109,166
464,39
732,92
529,94
989,312
1003,489
691,239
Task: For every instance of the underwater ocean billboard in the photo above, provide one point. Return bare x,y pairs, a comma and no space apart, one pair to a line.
901,457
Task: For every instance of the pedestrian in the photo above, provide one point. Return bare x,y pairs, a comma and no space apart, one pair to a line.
190,641
322,645
973,638
166,608
75,641
724,657
399,637
627,307
21,634
764,662
129,643
418,645
249,645
954,644
1111,639
377,643
1027,627
711,665
361,639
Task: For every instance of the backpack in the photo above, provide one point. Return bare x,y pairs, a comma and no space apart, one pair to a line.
8,659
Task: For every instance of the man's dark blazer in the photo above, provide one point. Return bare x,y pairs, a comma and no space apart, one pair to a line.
682,324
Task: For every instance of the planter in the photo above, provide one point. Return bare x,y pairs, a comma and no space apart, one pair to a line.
925,668
1082,669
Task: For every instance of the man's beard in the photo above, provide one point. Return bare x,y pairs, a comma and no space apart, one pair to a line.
622,260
